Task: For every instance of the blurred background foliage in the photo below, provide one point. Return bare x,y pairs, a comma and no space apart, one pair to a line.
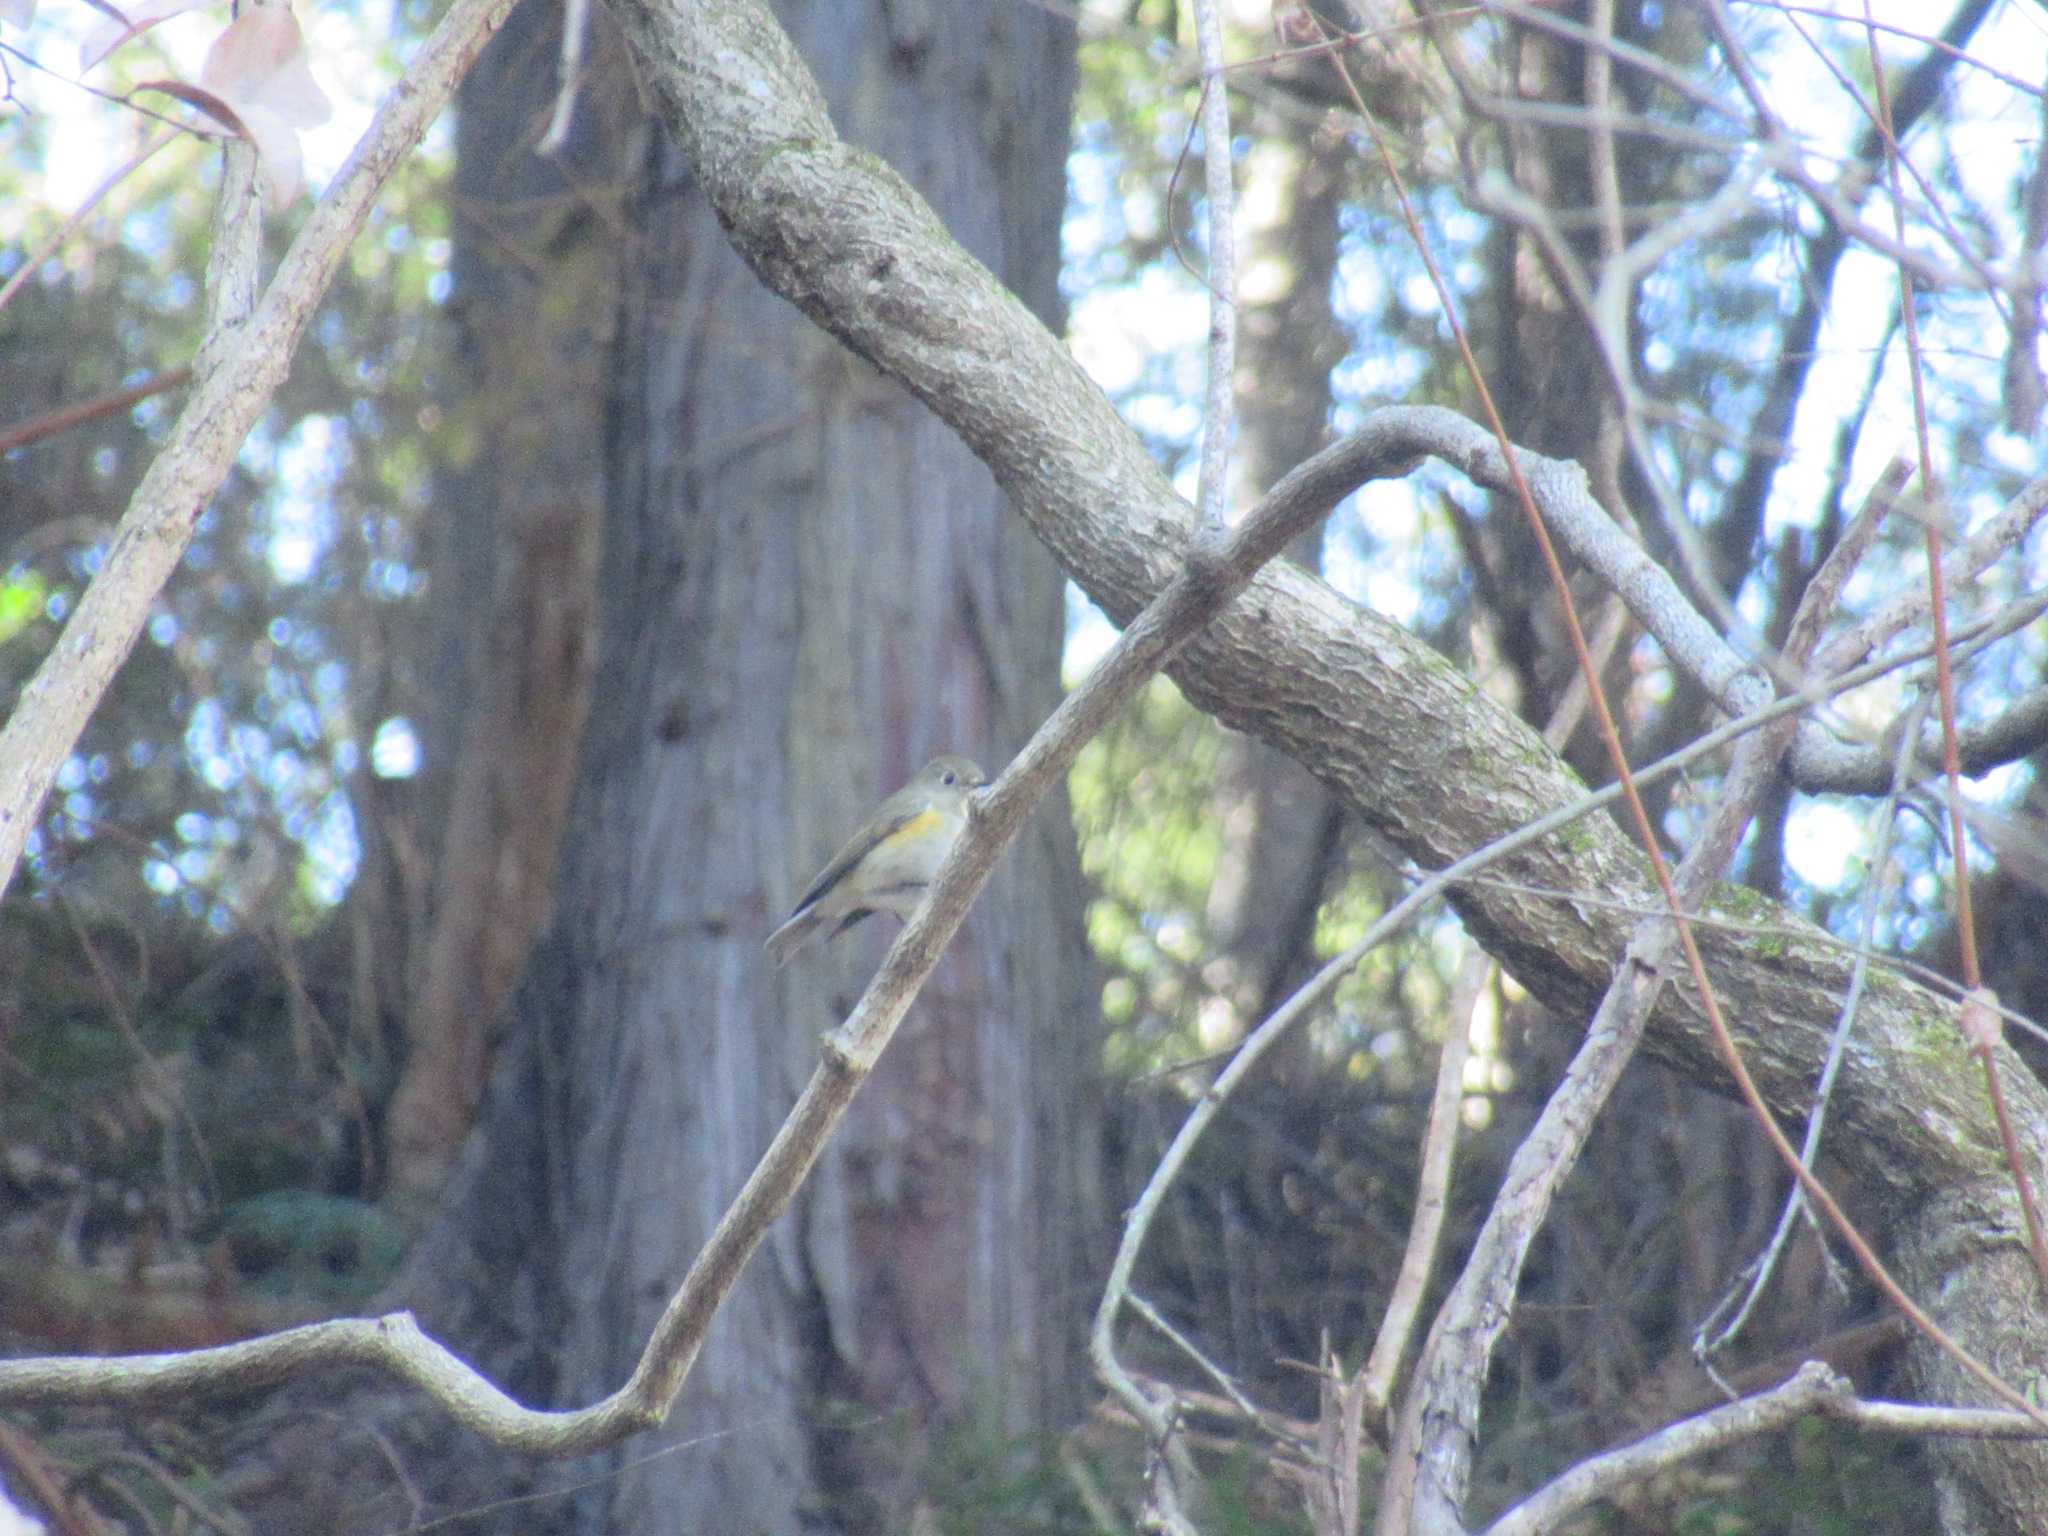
202,1028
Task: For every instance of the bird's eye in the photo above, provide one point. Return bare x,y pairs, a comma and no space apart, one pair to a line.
949,778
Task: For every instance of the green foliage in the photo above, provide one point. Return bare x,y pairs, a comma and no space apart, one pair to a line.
978,1480
24,596
222,775
1150,816
1244,1500
218,791
1137,793
159,1077
295,1244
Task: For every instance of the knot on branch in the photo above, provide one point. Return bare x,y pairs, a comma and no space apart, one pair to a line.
1749,690
837,1056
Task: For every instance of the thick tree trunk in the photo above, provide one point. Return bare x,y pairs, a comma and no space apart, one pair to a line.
506,677
1281,832
1404,738
813,590
1552,386
808,587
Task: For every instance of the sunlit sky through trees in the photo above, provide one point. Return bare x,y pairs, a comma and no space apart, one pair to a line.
1137,326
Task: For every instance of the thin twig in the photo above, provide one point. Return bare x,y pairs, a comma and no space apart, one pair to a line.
1878,116
1820,598
1253,1413
1429,1465
1220,414
1451,1387
83,211
568,77
1374,1387
64,418
226,1521
1928,40
32,1470
1138,1222
1884,874
1597,1477
1996,537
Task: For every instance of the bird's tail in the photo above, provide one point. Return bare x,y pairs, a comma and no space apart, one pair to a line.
785,941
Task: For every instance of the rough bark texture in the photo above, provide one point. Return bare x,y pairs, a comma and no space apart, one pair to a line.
1553,389
1399,733
808,587
813,591
513,558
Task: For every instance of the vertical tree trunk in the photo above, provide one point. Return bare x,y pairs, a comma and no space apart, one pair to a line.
506,678
1281,831
814,590
808,587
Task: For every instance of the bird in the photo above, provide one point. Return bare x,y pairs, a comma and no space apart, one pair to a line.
888,864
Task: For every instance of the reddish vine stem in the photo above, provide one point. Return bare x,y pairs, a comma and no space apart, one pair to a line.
79,412
1980,1041
1724,1042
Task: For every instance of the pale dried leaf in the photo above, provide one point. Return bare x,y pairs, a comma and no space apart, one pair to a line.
260,61
275,141
277,152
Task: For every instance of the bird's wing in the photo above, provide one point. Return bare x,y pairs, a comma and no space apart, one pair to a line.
863,843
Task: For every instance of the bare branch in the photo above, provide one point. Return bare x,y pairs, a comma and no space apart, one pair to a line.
1429,1466
1253,1414
1217,571
568,77
2026,390
1599,1476
1220,416
1813,1389
842,236
1817,761
394,1343
1758,1274
1374,1388
1929,1419
63,419
33,263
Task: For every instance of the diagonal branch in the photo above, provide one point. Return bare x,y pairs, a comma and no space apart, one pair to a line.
1401,735
239,370
1218,568
1429,1467
1407,740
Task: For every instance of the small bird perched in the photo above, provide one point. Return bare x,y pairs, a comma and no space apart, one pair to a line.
888,864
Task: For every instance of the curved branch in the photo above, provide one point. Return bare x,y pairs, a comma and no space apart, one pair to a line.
1597,1477
1408,741
1401,735
1821,765
393,1343
1218,567
1813,1389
